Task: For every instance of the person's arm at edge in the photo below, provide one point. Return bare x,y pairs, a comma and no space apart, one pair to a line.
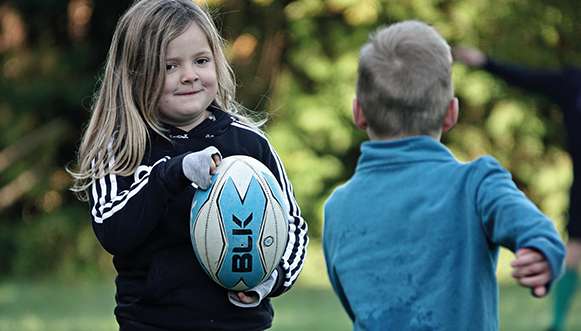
544,82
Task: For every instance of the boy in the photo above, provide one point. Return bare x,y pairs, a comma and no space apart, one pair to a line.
411,240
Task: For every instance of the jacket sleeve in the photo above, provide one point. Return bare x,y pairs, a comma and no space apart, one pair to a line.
511,220
545,82
124,210
294,254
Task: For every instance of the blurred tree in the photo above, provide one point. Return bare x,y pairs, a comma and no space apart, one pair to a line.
50,54
296,61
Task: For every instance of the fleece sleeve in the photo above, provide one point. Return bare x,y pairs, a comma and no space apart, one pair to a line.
511,220
124,210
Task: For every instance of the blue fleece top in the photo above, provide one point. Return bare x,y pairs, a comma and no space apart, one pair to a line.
411,240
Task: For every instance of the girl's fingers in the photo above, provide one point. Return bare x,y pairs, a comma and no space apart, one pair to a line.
215,162
217,159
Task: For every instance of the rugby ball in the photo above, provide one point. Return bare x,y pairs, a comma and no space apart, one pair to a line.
238,226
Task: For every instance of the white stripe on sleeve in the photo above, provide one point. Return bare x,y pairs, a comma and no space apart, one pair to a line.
108,201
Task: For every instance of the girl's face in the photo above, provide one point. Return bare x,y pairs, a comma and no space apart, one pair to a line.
190,80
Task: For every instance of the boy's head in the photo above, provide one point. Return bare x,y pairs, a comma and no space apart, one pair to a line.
404,84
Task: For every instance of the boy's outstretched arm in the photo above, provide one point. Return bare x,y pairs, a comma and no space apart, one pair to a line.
531,269
511,220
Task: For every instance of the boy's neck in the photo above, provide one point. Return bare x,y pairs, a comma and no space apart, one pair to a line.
373,136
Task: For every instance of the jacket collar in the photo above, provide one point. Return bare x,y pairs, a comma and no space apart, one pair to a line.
379,153
215,125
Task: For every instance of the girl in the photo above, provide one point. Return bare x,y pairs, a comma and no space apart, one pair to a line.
164,115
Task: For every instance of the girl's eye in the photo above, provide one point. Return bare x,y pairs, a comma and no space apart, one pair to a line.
169,67
202,61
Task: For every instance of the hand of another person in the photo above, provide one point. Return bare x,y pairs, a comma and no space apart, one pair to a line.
531,269
469,56
198,167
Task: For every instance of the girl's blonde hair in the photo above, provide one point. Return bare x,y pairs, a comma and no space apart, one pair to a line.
126,103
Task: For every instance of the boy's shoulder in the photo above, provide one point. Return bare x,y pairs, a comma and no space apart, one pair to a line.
474,172
485,164
484,169
339,194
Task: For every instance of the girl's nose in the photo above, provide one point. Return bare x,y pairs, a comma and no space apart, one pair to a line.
189,75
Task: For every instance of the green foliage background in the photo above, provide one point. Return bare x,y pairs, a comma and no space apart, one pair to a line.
295,61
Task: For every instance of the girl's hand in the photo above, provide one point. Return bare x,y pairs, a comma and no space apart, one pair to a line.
198,167
247,297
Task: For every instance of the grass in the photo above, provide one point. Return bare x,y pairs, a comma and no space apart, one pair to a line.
53,306
310,306
56,306
47,306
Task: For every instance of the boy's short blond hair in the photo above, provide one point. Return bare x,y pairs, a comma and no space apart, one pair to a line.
404,83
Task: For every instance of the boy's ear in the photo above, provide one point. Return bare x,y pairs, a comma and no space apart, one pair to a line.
451,117
358,116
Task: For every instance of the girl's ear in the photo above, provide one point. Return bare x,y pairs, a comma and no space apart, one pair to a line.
451,117
358,116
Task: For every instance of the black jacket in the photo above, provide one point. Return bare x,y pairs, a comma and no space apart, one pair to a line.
143,221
